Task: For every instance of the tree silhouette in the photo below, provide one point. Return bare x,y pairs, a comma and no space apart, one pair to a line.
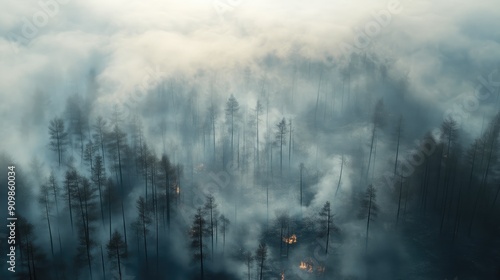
143,221
84,195
232,108
168,178
32,259
282,223
117,251
100,132
89,153
58,137
54,191
261,257
99,179
44,198
197,233
117,144
224,225
70,183
258,111
369,209
248,258
326,225
378,121
281,131
210,208
213,114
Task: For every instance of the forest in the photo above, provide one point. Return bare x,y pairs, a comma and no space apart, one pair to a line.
247,188
250,140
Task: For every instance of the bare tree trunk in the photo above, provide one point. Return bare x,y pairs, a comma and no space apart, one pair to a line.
328,221
102,263
201,248
49,228
399,200
301,183
290,148
368,223
371,151
340,176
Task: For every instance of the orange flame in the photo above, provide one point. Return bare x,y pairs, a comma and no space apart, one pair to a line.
307,266
290,240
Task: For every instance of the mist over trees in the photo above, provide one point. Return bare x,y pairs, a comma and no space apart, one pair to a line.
262,174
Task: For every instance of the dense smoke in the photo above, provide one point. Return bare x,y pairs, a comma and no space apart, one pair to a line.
251,139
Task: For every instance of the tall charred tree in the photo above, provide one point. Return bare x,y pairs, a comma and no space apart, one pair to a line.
32,259
84,203
117,252
258,112
54,191
45,200
78,124
100,131
488,154
71,182
282,223
143,221
89,153
343,161
210,209
197,233
369,209
232,109
261,257
281,131
168,179
224,225
378,121
99,180
58,137
326,225
213,114
117,144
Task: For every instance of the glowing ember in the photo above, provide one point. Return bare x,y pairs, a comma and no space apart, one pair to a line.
310,266
307,266
290,240
320,269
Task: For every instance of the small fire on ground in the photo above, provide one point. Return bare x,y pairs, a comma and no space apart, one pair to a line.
307,266
310,266
290,240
